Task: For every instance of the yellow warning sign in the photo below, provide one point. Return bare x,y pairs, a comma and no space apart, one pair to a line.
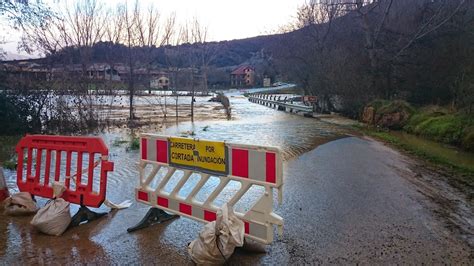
202,154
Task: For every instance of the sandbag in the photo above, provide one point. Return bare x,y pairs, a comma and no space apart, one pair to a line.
20,203
218,239
54,218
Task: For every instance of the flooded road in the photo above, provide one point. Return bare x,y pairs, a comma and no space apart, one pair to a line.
350,200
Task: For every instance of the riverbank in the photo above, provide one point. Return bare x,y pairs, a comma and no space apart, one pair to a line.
445,156
437,123
439,135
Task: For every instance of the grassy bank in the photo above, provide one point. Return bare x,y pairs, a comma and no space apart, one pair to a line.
444,126
440,157
437,123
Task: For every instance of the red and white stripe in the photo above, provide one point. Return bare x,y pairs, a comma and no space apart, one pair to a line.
255,230
256,164
154,149
245,161
246,164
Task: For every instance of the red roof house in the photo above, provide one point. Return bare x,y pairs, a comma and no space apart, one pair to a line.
243,76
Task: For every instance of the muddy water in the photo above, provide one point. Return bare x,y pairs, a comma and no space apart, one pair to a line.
345,203
153,108
250,123
260,125
448,153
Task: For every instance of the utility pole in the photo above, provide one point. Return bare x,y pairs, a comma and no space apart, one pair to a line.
176,90
192,94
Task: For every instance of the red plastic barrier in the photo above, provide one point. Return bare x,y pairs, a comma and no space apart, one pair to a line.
42,187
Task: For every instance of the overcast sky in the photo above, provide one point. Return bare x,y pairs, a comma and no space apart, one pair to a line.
226,19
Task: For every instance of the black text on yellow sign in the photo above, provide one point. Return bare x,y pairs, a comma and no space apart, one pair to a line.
204,155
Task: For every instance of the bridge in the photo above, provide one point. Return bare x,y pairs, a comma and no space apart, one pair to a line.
285,104
283,86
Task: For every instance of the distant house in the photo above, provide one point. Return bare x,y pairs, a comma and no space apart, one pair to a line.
103,71
25,70
143,78
267,82
243,76
160,83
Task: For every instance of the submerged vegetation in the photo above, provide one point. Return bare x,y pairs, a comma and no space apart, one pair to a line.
134,144
131,145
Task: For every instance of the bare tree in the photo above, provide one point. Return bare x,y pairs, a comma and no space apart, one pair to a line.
392,27
143,33
73,34
200,54
365,49
24,13
307,54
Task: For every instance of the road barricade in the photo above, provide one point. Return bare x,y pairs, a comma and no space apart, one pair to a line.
246,164
80,163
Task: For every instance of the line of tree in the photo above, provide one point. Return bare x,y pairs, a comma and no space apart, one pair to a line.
349,52
80,32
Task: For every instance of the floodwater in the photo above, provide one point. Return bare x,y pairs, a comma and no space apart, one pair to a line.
349,201
250,124
449,153
150,108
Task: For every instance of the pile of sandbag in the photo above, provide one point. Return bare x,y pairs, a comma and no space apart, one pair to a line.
21,203
218,239
54,218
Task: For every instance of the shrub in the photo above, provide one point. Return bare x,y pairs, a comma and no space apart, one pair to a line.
17,115
445,128
394,106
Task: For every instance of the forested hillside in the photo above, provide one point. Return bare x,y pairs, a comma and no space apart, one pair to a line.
415,50
348,52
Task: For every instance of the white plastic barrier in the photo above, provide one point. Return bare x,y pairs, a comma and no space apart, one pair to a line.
250,165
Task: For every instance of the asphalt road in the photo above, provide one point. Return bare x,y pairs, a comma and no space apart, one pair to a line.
351,200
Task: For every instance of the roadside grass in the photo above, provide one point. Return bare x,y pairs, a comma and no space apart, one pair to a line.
466,174
439,124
